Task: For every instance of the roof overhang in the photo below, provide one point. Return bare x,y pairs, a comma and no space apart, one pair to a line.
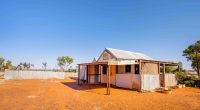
126,62
94,63
161,62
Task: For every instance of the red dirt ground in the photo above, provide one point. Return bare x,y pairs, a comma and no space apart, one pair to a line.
65,94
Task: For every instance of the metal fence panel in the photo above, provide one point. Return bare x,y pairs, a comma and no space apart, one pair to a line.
15,74
150,81
170,80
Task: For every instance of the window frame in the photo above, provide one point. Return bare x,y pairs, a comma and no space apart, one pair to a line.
128,70
137,66
104,70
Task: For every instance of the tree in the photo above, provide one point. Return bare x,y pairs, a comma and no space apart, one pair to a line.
64,61
192,53
180,66
5,65
20,66
9,65
24,66
2,64
168,69
61,62
44,65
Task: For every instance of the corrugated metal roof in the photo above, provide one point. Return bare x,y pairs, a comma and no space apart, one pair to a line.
122,54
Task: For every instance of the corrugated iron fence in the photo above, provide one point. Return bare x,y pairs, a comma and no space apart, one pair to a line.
15,74
170,80
150,81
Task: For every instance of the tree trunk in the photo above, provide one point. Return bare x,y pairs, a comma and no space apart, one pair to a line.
197,65
198,72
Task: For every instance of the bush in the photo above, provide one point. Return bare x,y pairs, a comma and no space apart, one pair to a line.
190,81
181,76
198,83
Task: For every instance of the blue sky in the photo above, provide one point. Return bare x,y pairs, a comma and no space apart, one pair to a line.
41,30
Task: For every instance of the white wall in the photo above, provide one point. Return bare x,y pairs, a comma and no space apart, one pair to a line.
133,81
129,81
124,80
15,74
136,81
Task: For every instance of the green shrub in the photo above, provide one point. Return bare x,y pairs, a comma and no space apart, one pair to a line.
181,76
198,83
190,81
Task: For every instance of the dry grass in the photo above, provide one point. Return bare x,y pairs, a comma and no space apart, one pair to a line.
67,95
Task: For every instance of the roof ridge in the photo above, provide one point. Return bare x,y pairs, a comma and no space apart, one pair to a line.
124,54
124,50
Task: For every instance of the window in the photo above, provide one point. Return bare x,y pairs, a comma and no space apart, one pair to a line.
96,69
128,68
137,71
104,69
117,69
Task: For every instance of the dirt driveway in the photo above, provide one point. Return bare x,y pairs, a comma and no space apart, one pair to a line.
65,94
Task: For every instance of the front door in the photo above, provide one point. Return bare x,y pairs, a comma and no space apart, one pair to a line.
97,75
162,80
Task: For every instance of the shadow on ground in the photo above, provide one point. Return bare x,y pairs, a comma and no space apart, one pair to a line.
74,78
91,87
75,86
86,87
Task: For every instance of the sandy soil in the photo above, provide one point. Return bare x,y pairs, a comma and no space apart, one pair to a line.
67,95
1,74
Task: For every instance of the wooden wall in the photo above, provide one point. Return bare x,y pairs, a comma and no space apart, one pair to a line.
105,56
91,69
149,68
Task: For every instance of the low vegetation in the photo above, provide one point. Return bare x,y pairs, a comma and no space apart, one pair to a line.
189,80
